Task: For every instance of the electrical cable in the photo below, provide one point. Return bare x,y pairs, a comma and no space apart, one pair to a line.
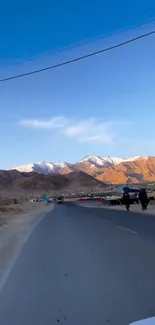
79,58
78,45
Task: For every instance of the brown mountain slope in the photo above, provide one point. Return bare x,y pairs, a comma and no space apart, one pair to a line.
66,170
41,182
140,170
14,180
80,179
7,178
88,168
72,181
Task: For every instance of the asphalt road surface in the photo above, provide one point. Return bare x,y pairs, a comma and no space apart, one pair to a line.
83,266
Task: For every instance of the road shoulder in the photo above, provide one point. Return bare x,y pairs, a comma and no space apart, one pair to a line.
14,234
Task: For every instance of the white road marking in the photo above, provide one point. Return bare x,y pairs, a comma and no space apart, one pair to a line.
129,230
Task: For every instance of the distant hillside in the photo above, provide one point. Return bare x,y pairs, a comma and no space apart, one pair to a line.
80,179
40,182
7,178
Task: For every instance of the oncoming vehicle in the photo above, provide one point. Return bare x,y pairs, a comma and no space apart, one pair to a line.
60,199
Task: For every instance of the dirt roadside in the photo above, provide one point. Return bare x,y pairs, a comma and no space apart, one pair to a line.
12,211
16,226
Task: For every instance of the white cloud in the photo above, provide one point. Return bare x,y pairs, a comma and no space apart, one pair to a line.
100,138
89,130
80,127
57,122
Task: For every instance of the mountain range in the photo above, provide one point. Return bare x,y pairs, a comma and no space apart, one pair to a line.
14,181
112,170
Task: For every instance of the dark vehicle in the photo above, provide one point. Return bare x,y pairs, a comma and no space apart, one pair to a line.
60,199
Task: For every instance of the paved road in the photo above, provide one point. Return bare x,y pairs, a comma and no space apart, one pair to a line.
83,266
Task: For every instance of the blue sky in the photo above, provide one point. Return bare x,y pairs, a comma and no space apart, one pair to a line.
103,105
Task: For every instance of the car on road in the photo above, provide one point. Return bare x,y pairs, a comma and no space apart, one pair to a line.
60,199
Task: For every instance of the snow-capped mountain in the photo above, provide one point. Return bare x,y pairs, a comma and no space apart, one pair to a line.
56,168
113,170
98,161
44,168
144,158
102,161
94,161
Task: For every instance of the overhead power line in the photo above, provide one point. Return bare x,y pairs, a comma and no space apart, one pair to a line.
79,58
128,18
83,43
